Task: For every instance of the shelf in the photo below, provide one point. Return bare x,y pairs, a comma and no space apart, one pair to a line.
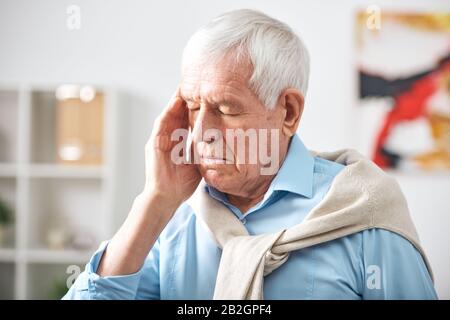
49,281
65,171
43,127
66,129
8,170
73,206
7,255
8,196
58,256
7,276
63,206
9,106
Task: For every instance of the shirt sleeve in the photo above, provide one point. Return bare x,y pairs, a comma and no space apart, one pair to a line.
393,268
144,284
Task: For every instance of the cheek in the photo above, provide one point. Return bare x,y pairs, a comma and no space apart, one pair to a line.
273,120
248,170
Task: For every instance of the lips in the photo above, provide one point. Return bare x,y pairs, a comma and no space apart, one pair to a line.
212,153
214,160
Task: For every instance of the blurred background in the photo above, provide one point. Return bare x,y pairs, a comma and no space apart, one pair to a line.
82,81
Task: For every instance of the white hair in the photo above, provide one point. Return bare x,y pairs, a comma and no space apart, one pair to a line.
279,58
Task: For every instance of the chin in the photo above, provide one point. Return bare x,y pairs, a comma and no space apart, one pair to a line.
217,178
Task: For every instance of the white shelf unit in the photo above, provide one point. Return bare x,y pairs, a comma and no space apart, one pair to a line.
39,190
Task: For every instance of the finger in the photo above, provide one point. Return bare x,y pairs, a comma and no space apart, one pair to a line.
176,114
176,106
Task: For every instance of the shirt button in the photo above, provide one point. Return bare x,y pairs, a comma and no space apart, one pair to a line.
244,221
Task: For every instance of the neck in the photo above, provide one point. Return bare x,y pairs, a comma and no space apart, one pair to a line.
244,203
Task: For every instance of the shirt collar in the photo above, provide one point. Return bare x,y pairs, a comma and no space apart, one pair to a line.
296,172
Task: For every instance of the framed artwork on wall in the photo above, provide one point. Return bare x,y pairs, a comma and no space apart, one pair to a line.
403,66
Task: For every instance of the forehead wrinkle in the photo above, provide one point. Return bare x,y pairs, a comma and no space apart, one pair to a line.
215,77
225,72
217,82
213,92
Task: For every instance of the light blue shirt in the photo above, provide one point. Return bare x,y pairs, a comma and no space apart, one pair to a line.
183,263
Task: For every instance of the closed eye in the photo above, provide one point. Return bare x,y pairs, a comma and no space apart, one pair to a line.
225,110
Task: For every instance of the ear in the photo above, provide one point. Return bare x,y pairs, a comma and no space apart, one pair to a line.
292,103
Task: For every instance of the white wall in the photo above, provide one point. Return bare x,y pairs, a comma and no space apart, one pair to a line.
136,46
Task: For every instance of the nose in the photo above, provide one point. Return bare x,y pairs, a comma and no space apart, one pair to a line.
204,120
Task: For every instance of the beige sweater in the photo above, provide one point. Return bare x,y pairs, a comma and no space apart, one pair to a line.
362,196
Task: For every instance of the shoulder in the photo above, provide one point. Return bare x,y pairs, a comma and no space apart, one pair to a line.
377,243
392,251
391,243
394,268
380,247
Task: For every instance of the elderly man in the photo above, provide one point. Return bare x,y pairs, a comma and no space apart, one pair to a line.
211,223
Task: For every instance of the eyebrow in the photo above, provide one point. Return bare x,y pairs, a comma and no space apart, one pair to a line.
229,103
233,103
